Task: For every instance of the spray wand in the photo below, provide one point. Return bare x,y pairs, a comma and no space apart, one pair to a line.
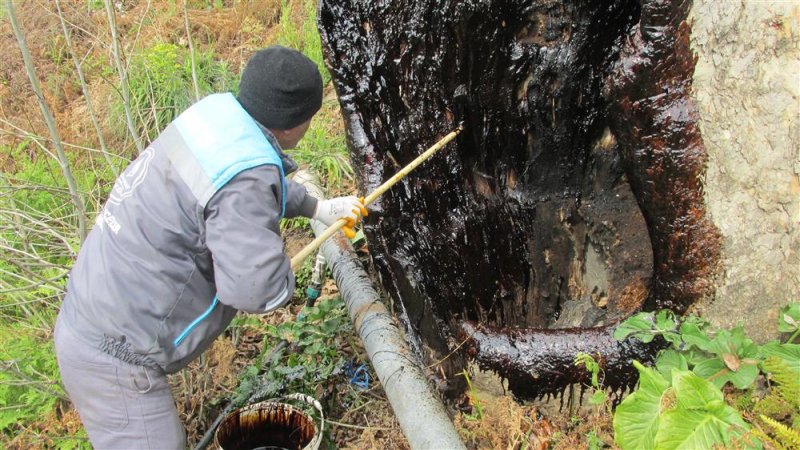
298,259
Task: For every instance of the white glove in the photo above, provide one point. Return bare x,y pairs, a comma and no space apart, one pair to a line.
350,208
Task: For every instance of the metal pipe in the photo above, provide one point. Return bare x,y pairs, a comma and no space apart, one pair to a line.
419,410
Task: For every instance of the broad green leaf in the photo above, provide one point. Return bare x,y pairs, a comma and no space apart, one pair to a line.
640,325
693,392
724,412
688,430
683,429
693,335
789,318
695,356
665,320
673,338
650,381
598,398
745,347
636,420
670,360
722,343
744,377
709,368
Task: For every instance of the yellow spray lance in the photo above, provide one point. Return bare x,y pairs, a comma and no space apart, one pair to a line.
298,259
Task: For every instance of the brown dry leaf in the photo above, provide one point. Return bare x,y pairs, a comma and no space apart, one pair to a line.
731,361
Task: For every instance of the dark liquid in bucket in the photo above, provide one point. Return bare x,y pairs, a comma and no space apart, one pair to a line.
266,426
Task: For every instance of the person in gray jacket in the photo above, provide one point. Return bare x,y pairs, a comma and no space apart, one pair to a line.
188,236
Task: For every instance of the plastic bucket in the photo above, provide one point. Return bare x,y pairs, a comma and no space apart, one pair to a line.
270,425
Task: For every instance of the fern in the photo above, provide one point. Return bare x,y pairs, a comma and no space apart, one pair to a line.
767,439
787,381
787,437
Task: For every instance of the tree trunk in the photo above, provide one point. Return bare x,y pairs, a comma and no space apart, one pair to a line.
576,193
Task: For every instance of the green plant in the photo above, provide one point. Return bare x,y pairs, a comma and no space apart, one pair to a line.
722,356
682,411
474,401
295,223
302,36
599,398
302,278
782,401
325,153
323,148
593,441
37,223
161,86
28,374
680,404
586,360
783,434
312,358
789,321
94,5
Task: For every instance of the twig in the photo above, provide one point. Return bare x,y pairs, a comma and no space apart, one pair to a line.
191,51
451,353
61,157
122,73
85,89
28,135
10,368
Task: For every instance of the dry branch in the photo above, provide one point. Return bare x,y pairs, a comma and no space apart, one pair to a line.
122,72
85,89
61,157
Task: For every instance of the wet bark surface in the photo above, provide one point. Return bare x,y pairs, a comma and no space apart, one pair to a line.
571,199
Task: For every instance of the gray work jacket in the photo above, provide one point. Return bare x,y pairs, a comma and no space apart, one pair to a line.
163,273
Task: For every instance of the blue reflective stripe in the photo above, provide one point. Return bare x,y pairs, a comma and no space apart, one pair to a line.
283,190
225,141
194,323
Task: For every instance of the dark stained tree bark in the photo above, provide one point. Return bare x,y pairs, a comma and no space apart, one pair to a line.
572,198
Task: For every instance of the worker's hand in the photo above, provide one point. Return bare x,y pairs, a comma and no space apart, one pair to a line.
349,208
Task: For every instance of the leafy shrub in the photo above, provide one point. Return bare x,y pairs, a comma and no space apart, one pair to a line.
682,411
27,377
680,404
313,356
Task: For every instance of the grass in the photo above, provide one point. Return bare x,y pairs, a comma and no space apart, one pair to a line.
37,239
160,82
161,86
324,153
36,220
298,30
37,247
323,149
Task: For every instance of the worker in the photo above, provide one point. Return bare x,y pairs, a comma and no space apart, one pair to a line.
189,235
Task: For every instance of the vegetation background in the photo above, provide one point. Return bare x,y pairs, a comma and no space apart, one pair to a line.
84,85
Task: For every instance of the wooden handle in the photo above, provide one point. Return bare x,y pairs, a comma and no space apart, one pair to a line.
298,259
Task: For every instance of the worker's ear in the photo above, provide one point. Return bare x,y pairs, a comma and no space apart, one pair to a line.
289,138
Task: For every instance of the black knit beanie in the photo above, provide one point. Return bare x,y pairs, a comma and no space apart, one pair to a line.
280,88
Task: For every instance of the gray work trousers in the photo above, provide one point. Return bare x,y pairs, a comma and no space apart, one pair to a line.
122,406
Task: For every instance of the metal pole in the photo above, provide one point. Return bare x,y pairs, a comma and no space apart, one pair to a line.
418,408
